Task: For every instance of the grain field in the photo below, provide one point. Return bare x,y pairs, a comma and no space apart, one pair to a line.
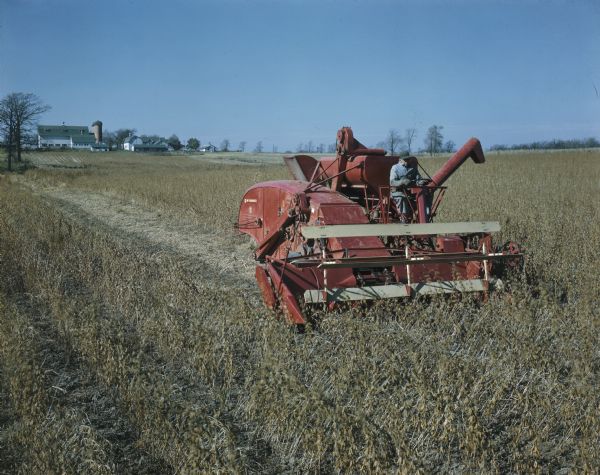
133,339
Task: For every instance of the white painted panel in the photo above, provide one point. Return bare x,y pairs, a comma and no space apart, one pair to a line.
394,291
397,229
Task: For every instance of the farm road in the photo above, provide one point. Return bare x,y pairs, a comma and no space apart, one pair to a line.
216,260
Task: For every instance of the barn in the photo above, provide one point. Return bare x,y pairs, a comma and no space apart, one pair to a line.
71,136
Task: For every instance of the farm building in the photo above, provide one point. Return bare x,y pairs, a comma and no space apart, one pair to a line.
152,147
208,148
71,136
133,143
130,142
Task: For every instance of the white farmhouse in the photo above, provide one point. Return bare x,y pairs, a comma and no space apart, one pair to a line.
130,143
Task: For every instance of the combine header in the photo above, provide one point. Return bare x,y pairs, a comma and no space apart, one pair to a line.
340,233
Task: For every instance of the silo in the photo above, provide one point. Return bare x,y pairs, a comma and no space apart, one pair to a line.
97,128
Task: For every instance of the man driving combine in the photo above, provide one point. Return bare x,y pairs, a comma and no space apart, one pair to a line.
403,175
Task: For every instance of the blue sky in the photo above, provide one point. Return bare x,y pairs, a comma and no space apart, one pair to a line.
290,71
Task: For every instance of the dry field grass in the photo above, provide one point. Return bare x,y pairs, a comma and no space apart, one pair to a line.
132,339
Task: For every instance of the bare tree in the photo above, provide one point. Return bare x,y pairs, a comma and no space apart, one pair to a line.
242,146
225,145
393,141
409,137
434,139
18,112
331,148
449,146
259,147
109,139
7,127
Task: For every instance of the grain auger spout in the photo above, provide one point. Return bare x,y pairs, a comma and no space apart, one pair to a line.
471,149
340,233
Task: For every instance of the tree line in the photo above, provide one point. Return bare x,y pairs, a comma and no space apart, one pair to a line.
310,147
403,144
117,138
395,143
554,144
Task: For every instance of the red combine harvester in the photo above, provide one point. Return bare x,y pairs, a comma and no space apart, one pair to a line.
335,235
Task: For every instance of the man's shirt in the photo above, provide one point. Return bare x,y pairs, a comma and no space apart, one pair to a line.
401,175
